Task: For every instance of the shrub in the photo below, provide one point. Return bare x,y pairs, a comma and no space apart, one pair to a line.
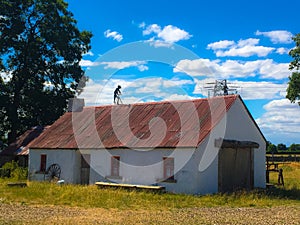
14,171
4,173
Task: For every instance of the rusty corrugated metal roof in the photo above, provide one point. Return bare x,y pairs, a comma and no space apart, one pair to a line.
20,146
142,125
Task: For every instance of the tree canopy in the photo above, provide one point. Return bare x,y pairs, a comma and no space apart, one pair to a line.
282,148
40,48
293,90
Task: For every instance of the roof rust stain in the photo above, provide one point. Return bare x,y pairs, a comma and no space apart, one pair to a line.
20,146
141,125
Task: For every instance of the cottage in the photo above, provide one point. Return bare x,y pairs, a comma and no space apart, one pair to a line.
195,146
18,150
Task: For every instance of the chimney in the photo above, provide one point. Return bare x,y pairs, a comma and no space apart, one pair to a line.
75,104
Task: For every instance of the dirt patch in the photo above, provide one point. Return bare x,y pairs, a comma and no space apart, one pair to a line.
27,214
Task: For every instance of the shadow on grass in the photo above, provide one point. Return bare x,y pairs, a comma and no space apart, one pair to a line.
282,193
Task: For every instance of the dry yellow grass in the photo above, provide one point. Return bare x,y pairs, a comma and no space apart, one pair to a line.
291,174
44,203
22,214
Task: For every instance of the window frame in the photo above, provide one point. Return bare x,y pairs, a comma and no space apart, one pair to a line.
115,166
168,169
43,162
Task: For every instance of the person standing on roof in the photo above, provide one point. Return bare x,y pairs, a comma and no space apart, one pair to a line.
117,94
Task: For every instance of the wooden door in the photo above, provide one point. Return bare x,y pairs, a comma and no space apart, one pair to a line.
85,168
235,169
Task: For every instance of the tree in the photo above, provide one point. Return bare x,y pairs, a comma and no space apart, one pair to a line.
39,44
281,147
293,90
294,147
271,148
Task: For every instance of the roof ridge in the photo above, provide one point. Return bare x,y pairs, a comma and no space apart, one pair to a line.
165,101
113,130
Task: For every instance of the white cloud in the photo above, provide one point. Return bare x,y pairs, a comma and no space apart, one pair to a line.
246,51
147,90
282,51
240,68
88,63
197,67
277,36
89,53
158,43
260,90
282,104
142,25
153,28
143,68
172,34
114,35
101,92
220,45
139,90
148,85
166,36
249,90
178,97
281,117
248,42
176,83
270,69
125,64
281,120
224,44
232,68
244,48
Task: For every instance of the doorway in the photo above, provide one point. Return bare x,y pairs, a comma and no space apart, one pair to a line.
235,169
85,169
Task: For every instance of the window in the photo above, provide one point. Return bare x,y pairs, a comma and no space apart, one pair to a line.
43,163
115,166
168,168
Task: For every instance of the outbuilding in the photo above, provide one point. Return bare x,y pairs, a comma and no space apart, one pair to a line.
196,146
18,150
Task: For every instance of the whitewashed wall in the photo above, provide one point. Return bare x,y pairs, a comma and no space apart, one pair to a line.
68,160
242,128
142,166
196,171
146,167
236,125
137,167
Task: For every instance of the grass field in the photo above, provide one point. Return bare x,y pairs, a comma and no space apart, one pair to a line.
46,203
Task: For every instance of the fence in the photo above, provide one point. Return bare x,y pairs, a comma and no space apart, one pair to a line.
283,158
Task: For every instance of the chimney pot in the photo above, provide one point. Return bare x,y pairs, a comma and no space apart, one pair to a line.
75,104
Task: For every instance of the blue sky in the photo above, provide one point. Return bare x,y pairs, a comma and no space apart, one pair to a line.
170,50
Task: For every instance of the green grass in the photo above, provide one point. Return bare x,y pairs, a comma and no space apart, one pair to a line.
291,175
41,193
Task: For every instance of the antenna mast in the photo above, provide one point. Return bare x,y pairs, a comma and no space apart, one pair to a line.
220,88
